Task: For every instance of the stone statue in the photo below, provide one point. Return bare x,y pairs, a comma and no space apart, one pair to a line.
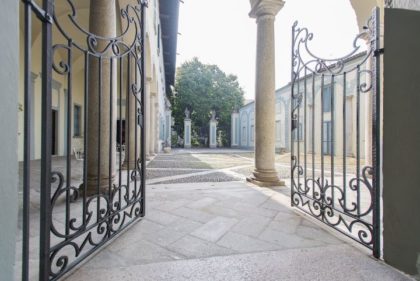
213,115
187,113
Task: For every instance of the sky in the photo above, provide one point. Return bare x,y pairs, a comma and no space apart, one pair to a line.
221,32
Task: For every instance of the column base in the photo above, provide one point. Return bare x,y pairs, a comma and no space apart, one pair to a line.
130,164
187,146
92,187
265,178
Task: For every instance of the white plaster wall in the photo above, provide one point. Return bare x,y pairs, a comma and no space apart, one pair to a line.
153,23
406,4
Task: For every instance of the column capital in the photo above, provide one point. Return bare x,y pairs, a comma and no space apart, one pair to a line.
261,8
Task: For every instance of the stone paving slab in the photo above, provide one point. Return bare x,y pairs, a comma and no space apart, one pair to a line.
193,247
326,263
212,217
215,228
209,232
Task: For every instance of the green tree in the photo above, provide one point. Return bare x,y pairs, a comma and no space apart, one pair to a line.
201,88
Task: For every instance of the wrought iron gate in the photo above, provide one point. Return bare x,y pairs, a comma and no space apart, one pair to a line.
97,187
334,160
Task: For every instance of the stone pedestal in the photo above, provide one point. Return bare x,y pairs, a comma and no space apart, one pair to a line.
265,173
168,128
187,133
213,134
102,22
234,139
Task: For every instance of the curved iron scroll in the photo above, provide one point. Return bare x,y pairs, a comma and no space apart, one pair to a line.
80,222
325,183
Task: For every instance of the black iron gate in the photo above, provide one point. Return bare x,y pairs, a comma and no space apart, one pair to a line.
92,191
335,135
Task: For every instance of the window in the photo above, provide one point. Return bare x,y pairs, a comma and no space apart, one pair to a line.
278,130
298,133
252,132
327,99
77,121
327,138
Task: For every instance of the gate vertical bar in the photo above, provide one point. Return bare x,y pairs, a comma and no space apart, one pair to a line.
142,137
121,129
344,141
313,134
69,137
322,149
304,133
292,101
45,222
332,137
127,121
27,142
111,135
376,134
86,130
358,140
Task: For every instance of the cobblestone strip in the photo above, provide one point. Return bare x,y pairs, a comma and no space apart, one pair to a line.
225,170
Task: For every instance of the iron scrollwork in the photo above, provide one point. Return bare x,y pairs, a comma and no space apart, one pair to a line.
80,224
336,199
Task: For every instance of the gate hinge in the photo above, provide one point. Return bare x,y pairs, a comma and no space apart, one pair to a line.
39,12
378,52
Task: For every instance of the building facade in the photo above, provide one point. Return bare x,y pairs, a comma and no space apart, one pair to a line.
243,122
160,50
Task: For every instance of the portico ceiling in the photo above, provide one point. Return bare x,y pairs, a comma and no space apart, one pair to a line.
169,13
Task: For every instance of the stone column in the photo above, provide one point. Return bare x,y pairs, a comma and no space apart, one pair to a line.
148,116
131,141
265,173
234,129
157,127
213,134
102,22
187,133
152,124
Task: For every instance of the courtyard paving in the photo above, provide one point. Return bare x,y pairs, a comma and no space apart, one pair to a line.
204,222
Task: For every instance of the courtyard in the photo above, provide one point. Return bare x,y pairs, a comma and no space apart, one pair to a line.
204,222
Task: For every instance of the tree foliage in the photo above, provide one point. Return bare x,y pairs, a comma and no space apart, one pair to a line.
202,88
